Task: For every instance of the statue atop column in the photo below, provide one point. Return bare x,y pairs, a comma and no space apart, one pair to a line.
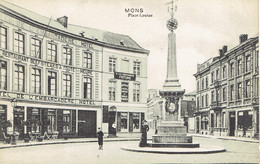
172,23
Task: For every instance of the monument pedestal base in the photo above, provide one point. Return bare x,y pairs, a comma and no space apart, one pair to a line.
171,132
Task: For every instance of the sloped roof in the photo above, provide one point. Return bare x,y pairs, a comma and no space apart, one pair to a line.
90,34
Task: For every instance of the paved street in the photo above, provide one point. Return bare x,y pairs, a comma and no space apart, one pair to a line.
242,152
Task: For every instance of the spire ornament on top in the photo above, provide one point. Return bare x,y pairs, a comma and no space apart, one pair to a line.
172,23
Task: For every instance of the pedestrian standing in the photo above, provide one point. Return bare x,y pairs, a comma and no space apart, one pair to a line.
100,135
144,130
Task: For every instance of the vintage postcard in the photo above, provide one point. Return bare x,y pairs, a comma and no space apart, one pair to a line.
148,81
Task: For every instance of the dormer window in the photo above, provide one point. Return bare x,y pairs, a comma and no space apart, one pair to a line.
122,42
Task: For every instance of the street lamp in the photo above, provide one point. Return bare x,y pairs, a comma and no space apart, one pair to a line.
14,104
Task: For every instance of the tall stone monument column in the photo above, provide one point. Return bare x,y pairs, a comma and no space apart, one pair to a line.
171,128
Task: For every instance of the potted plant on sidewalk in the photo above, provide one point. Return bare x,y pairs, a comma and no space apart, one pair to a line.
4,125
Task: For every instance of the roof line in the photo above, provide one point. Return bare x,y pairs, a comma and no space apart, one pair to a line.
11,12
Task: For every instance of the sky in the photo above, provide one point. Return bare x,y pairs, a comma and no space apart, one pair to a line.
204,26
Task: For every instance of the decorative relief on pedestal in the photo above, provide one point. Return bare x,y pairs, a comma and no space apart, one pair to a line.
171,108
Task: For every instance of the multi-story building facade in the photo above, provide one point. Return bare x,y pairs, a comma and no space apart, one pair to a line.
227,97
66,78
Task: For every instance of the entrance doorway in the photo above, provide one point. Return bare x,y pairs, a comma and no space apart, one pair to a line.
232,124
112,120
87,123
18,121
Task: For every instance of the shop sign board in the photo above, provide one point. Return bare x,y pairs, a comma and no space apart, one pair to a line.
124,76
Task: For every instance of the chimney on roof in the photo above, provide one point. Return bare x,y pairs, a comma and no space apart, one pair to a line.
63,20
224,49
221,52
242,38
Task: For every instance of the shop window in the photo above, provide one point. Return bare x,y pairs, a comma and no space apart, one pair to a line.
3,75
67,85
19,42
112,64
3,37
19,78
137,68
218,120
51,125
36,81
124,92
67,56
3,118
87,88
18,119
136,122
52,83
52,52
36,48
204,122
35,121
124,120
136,93
245,120
87,60
66,121
112,90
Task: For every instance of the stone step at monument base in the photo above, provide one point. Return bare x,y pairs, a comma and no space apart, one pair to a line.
172,130
173,145
171,139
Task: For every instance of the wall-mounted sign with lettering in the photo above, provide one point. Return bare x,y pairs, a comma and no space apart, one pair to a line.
124,76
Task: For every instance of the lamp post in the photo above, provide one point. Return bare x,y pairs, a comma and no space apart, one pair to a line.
14,104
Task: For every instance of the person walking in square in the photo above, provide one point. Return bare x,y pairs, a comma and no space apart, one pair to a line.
100,135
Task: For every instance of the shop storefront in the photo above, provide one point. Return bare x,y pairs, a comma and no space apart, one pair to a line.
244,123
129,121
3,127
